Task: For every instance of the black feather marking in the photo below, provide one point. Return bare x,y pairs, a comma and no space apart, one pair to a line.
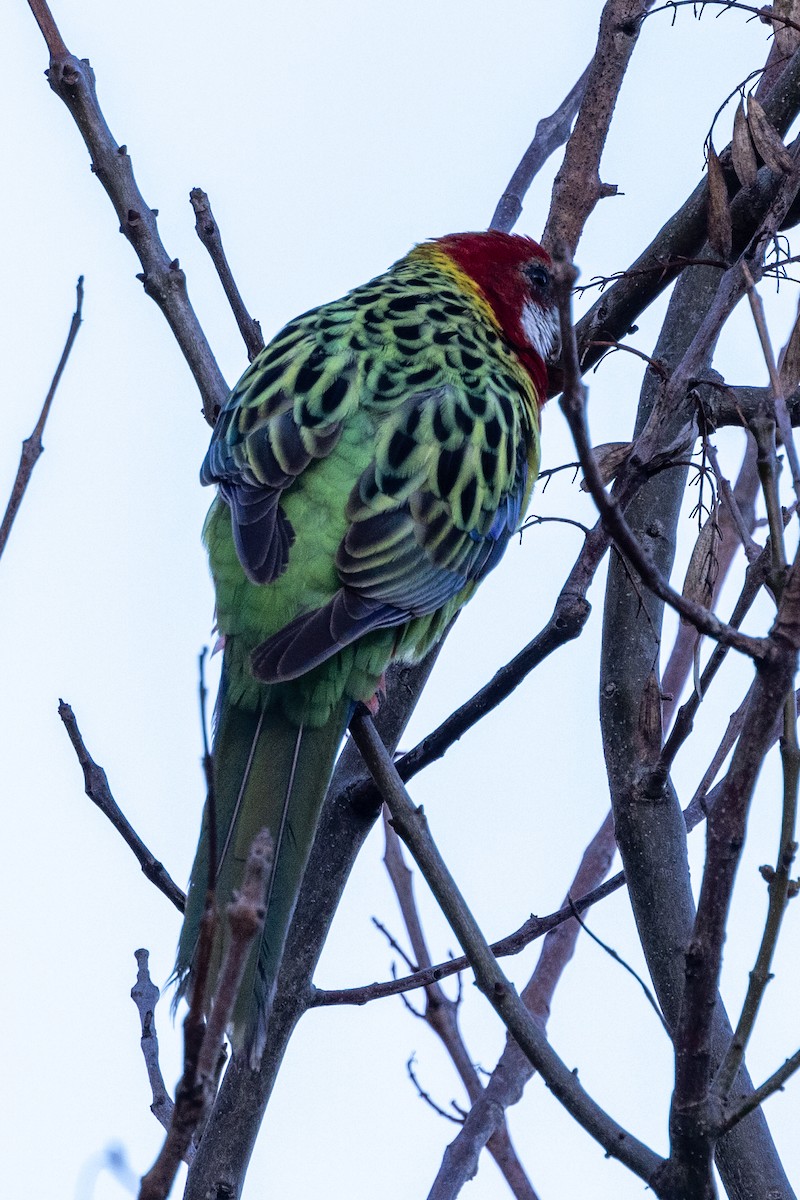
477,403
408,333
448,469
333,395
464,421
494,433
287,445
364,538
421,377
506,409
310,419
469,495
264,379
385,383
403,304
413,419
471,361
440,429
400,447
306,379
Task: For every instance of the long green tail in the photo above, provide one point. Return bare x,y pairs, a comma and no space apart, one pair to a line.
269,773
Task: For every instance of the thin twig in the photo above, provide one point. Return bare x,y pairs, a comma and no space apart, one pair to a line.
551,132
683,235
778,398
97,789
532,929
765,12
412,827
441,1014
779,879
203,1042
573,405
145,996
72,80
209,234
513,1069
426,1096
755,578
694,1119
32,447
617,957
768,1088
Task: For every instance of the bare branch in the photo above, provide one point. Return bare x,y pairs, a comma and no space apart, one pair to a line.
683,235
209,234
577,186
72,80
573,404
551,132
32,447
512,943
778,398
757,1097
441,1014
145,996
412,827
694,1119
513,1070
97,789
203,1043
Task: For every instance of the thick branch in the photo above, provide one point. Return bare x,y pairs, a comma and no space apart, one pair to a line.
682,237
577,187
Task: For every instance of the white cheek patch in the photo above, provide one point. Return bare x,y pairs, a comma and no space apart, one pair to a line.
540,326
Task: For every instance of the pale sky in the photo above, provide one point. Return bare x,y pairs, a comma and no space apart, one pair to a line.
330,138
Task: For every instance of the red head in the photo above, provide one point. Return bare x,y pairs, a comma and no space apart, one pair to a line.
513,272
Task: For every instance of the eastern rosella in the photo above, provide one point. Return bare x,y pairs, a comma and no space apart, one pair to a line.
372,464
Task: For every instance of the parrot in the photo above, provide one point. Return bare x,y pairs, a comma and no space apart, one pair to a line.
372,464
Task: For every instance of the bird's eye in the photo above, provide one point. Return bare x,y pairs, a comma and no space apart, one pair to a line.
538,275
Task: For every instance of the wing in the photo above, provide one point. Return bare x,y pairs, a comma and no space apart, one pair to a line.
286,411
428,519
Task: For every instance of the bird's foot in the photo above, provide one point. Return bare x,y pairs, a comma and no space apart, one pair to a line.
374,703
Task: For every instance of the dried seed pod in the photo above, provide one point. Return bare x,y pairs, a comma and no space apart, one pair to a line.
703,569
766,139
789,362
743,155
609,458
720,233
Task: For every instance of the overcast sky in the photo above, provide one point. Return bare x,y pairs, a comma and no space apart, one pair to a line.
330,138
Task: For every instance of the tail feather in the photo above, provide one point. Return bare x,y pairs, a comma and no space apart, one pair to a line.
269,773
